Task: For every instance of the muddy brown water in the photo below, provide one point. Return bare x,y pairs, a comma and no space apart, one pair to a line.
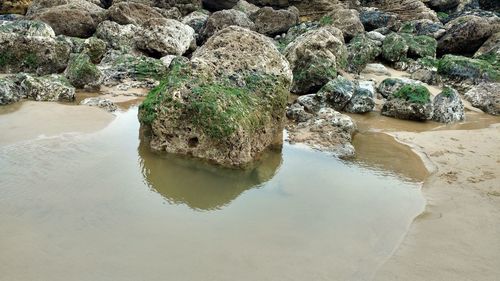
94,203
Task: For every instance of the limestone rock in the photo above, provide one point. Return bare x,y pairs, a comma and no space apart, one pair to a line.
100,102
485,96
48,88
116,36
410,102
272,22
81,73
161,37
222,19
448,107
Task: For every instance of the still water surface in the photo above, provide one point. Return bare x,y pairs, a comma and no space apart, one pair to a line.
101,206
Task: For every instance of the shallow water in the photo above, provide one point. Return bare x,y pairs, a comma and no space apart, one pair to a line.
101,206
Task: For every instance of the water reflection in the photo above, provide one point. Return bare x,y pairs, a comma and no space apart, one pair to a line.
199,185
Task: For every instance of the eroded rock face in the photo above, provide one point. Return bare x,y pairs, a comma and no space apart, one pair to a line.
116,36
100,102
223,109
315,57
448,107
222,19
53,87
490,50
184,6
10,90
31,47
485,96
466,34
405,9
161,37
410,102
458,68
82,73
272,22
132,13
362,50
346,20
196,20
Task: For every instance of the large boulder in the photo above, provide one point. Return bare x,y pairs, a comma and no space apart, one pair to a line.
77,18
184,6
227,105
196,20
373,18
160,37
272,22
344,95
448,107
464,35
132,13
405,9
222,19
53,87
390,86
490,50
82,73
346,20
485,96
362,50
315,57
460,68
398,47
31,47
410,102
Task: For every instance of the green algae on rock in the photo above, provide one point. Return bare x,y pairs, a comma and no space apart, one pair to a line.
82,73
463,68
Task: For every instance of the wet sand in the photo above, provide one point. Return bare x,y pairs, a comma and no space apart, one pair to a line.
28,120
458,236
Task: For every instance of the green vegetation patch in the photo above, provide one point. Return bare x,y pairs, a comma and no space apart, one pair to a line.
420,46
362,51
326,20
413,93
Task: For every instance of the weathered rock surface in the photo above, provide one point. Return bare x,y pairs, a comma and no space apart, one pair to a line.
466,34
227,105
346,20
132,13
100,102
398,47
222,19
161,37
184,6
362,50
10,90
272,22
14,6
405,9
460,68
448,107
373,18
196,20
116,36
485,96
48,88
315,57
490,50
391,85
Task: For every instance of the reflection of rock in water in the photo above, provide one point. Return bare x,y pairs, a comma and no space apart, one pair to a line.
198,184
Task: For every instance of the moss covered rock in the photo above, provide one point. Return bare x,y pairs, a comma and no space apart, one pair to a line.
463,68
82,73
362,51
394,48
398,47
485,96
10,90
225,109
53,87
410,102
448,107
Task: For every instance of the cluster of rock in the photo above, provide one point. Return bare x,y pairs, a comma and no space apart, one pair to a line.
221,77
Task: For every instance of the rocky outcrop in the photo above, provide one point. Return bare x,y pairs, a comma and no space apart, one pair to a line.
227,105
490,50
391,85
458,68
48,88
272,22
315,57
397,47
485,96
161,37
448,107
222,19
410,102
10,90
82,73
373,18
466,34
405,9
31,47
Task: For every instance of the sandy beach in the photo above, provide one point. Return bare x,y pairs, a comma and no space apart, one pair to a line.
458,236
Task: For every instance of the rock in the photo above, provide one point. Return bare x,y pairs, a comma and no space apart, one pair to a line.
391,85
490,50
328,131
460,68
398,47
227,105
161,37
362,50
443,5
95,48
410,102
11,17
20,53
81,73
14,6
196,20
315,57
491,5
362,101
76,18
466,34
217,5
377,69
423,27
346,20
48,88
27,28
375,36
118,37
245,7
485,96
337,93
10,90
184,6
272,22
448,107
298,113
405,9
132,13
222,19
428,76
372,18
100,102
119,68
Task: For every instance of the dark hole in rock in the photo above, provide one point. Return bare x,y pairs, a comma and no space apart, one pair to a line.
193,142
